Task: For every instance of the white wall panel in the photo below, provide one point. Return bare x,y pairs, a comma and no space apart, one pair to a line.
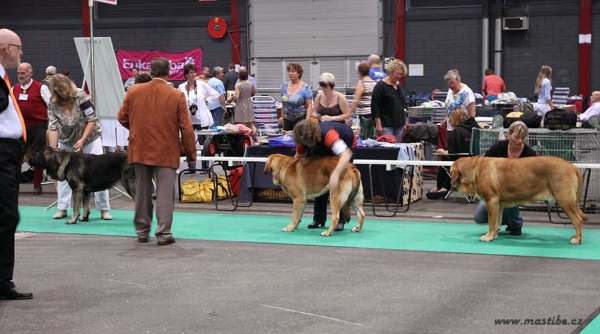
315,28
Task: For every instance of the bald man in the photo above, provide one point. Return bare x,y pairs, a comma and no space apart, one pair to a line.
12,128
375,71
33,98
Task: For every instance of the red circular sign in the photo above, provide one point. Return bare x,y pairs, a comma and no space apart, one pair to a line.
217,27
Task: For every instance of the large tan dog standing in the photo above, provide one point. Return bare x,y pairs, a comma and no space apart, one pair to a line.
308,178
505,183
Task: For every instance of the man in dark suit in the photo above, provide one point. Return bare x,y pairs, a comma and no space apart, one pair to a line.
12,128
230,78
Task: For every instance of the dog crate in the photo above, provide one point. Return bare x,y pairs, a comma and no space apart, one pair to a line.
574,145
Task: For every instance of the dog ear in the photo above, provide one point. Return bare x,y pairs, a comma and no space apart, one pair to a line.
267,166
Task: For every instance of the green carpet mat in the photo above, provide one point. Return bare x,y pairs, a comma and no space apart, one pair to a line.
550,242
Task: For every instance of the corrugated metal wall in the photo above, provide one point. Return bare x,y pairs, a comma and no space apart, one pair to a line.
47,29
321,35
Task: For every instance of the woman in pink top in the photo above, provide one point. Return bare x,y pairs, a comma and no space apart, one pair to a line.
492,85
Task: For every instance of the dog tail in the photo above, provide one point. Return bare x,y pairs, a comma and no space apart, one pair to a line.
345,212
582,215
355,185
128,179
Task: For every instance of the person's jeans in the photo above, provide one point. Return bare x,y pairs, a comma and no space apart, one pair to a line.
217,115
397,132
510,216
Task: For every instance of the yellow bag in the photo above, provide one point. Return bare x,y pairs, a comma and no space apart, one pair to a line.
194,191
222,188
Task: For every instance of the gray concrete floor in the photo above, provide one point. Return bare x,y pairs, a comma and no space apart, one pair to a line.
100,284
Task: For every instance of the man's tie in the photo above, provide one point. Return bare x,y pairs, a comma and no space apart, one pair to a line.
12,96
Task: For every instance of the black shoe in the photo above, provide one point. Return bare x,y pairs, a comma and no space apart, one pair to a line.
516,231
339,226
315,224
166,242
436,194
14,294
142,240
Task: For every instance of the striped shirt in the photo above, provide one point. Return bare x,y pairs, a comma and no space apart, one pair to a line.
364,104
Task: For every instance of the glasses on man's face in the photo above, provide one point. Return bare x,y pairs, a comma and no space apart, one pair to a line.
20,47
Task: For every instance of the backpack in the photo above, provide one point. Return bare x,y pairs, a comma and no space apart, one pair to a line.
512,117
532,120
422,132
235,180
194,191
560,119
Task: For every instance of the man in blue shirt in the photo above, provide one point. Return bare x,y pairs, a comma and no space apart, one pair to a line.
217,108
375,71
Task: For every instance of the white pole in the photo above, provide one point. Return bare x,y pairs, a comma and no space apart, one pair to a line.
92,72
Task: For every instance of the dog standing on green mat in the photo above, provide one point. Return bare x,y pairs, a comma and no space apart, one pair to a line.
308,178
85,173
502,182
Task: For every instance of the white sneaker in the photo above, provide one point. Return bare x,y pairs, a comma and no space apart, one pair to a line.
60,214
105,215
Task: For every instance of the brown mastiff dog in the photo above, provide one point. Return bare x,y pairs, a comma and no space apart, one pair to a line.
502,183
308,178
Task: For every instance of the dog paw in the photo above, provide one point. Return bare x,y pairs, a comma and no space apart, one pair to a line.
487,238
356,229
326,234
575,241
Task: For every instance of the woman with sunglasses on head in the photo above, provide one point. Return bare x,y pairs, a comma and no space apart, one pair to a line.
73,125
296,98
330,106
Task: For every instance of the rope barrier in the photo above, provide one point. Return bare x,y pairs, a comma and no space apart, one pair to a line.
388,163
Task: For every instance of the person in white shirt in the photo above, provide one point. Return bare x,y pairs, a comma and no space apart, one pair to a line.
33,98
460,96
198,94
543,87
12,128
594,109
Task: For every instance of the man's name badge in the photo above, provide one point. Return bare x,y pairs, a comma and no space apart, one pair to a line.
23,97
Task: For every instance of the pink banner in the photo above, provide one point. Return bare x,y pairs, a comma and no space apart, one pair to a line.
127,60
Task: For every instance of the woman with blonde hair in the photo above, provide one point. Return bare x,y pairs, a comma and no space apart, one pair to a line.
543,87
73,126
512,148
388,101
330,106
